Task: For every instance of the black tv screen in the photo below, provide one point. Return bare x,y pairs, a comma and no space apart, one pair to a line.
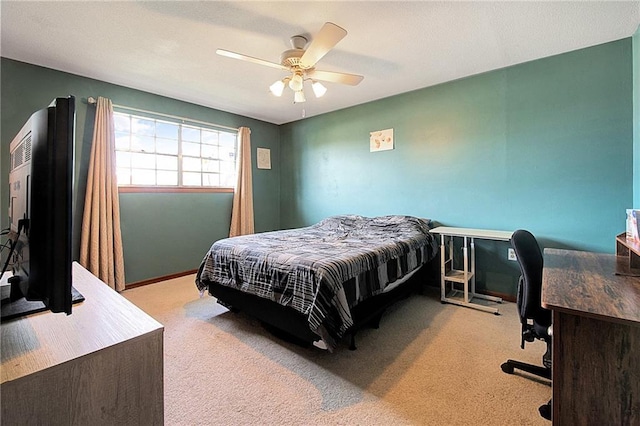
40,213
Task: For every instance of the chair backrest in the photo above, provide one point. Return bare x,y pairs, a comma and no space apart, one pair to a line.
530,287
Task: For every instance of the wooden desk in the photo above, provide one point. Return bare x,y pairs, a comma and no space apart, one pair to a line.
467,275
101,365
596,339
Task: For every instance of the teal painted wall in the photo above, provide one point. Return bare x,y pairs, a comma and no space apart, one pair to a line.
546,145
162,233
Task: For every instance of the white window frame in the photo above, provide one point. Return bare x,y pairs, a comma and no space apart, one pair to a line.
227,178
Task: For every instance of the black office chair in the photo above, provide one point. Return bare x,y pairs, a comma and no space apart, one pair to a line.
535,319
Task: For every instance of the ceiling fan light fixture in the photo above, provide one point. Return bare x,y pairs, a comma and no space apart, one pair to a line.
300,63
277,88
298,97
295,83
318,89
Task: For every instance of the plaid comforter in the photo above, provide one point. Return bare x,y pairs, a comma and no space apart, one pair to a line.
307,268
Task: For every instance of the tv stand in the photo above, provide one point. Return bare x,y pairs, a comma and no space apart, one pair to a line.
103,364
14,305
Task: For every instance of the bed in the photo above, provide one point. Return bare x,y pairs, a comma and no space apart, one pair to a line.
321,282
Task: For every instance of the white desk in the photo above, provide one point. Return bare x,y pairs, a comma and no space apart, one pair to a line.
467,275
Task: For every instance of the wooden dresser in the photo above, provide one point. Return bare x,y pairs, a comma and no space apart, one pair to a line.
596,339
101,365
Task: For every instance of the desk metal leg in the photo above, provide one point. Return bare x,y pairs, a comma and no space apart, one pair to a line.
466,277
465,257
473,267
473,284
442,269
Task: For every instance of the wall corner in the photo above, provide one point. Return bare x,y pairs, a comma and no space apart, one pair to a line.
635,41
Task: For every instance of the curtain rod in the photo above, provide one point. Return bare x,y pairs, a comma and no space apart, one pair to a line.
92,101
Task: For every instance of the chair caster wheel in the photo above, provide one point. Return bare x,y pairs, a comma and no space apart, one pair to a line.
507,368
545,410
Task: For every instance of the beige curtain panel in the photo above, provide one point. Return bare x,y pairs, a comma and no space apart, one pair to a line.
101,240
242,213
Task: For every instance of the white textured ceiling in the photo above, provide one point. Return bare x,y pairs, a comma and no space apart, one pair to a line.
168,47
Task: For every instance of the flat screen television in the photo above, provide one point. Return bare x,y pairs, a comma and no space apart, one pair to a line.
40,214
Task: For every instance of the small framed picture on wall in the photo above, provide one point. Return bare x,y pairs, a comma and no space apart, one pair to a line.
381,140
263,158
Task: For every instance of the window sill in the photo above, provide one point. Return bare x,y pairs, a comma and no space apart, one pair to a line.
183,189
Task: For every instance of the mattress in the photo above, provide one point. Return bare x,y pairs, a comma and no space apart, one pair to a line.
323,270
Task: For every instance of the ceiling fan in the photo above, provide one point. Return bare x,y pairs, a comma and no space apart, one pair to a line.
301,62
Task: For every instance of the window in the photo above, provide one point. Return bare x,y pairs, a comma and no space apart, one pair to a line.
160,153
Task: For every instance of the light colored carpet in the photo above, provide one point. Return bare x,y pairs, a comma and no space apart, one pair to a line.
428,364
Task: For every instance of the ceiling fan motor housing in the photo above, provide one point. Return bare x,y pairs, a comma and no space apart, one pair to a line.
291,58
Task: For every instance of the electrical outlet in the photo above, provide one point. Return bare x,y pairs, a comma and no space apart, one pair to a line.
512,255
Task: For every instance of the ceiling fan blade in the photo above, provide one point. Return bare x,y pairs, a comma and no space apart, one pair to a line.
335,77
234,55
330,34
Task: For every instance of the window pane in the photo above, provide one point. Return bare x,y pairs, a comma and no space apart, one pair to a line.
167,146
210,165
190,134
191,179
210,179
143,126
209,137
228,180
227,153
167,130
191,164
143,143
209,151
167,162
227,139
167,178
122,123
227,167
143,177
123,176
122,141
192,149
143,161
123,159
